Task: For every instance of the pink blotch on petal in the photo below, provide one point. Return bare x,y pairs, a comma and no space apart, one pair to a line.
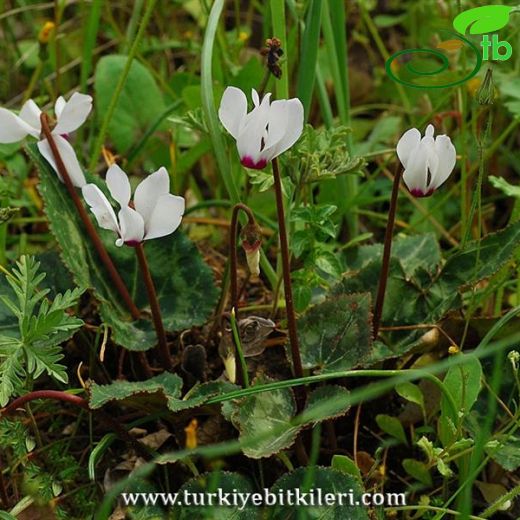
419,193
249,163
132,243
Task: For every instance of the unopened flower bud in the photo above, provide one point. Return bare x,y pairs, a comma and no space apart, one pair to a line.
514,358
486,92
191,434
230,367
251,242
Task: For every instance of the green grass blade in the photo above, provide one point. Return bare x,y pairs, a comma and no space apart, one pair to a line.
309,55
279,30
89,42
96,151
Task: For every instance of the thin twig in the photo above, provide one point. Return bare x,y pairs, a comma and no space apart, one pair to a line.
164,352
91,230
385,267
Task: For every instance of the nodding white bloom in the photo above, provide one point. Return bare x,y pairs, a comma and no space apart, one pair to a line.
154,212
265,132
427,162
70,115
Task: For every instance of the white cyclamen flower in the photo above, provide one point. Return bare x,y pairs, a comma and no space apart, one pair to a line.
265,132
70,115
154,213
427,162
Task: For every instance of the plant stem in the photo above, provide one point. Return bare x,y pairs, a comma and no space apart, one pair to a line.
233,249
91,230
164,352
241,369
383,277
286,267
241,378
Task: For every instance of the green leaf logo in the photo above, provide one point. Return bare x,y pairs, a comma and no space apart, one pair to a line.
481,20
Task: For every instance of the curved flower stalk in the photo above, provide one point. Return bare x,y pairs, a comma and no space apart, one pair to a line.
264,133
153,213
70,115
428,162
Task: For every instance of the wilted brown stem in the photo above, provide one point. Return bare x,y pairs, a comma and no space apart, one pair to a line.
164,352
91,230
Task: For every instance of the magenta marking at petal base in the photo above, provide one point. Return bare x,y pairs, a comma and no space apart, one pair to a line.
248,162
132,243
419,193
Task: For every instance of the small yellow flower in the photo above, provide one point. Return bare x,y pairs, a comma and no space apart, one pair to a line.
191,434
454,349
46,32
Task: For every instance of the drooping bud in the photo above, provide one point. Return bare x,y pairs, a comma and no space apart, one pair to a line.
251,236
230,367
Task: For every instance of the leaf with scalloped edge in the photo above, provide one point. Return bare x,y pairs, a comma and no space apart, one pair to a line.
336,334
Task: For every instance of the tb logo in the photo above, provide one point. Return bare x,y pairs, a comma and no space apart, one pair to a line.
487,19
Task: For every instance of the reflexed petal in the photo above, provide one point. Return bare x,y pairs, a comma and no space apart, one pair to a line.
30,113
118,185
255,97
69,158
148,192
73,114
132,227
99,205
166,216
233,108
249,142
12,127
407,145
447,157
285,127
59,106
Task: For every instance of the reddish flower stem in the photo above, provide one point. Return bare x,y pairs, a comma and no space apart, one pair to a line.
233,261
286,267
91,230
385,267
164,352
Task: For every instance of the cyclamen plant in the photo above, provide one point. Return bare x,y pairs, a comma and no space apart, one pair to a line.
264,133
154,212
428,163
70,115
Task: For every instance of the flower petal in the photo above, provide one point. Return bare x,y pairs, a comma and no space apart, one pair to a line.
30,113
118,185
285,127
148,192
447,158
132,227
73,114
415,175
407,144
252,134
12,127
99,205
233,108
166,216
68,156
59,106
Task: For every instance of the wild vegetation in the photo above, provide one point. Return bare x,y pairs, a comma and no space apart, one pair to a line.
250,246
